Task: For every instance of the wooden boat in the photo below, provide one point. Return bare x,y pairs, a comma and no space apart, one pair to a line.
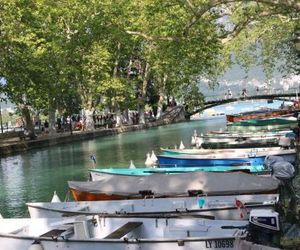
259,114
270,124
232,207
119,233
226,158
95,232
97,173
116,187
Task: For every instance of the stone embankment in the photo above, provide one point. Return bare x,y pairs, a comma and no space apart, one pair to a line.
14,144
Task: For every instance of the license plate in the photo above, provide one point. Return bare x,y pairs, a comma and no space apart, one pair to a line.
219,243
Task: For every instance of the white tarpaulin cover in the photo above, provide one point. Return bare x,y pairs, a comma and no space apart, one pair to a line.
180,184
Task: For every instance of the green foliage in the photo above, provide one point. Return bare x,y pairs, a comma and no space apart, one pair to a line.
52,53
191,96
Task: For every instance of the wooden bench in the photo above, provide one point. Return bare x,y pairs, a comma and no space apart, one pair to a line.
123,230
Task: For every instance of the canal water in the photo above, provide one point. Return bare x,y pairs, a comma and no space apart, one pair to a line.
34,176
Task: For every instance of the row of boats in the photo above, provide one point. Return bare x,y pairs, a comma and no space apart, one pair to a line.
193,198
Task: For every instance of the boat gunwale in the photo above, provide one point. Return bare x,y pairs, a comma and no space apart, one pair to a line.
125,240
159,215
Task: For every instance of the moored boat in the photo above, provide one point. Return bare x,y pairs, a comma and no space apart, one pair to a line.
232,207
95,232
159,233
221,159
270,124
116,187
97,173
259,114
201,151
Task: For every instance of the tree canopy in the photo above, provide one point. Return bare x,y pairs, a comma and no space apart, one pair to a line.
113,52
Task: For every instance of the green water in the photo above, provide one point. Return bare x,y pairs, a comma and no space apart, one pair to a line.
33,176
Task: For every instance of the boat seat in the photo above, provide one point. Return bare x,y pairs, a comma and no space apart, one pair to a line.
123,230
81,229
54,233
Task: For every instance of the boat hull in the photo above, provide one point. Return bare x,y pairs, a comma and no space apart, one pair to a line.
241,129
179,185
88,196
258,115
238,160
94,233
97,174
170,161
189,244
233,207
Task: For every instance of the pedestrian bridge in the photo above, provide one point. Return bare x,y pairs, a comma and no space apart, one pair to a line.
271,94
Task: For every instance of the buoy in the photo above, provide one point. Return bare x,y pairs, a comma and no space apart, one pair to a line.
195,133
36,245
201,134
148,161
131,164
93,159
193,142
199,142
181,145
55,198
153,157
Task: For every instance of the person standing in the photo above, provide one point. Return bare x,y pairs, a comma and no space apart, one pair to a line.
229,94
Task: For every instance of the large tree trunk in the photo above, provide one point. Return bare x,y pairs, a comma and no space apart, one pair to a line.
142,94
119,121
115,75
88,111
28,122
162,89
52,122
89,121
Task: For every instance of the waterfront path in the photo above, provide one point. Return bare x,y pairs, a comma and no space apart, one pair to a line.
15,145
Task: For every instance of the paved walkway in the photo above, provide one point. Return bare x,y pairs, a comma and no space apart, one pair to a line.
14,145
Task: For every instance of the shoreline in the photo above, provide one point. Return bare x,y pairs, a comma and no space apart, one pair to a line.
14,145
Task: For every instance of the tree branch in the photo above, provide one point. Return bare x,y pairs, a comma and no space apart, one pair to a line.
291,5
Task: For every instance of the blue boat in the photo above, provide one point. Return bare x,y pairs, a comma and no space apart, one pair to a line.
219,159
259,169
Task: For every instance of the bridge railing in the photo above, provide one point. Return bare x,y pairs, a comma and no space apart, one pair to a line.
266,92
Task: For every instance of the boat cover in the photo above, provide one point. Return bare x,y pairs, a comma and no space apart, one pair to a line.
280,167
271,159
180,184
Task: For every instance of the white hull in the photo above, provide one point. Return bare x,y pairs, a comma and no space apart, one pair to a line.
219,207
231,151
195,244
94,233
249,139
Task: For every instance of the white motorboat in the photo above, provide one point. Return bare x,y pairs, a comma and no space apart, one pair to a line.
97,232
232,207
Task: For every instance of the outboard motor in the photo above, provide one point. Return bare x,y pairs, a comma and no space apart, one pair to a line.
264,227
